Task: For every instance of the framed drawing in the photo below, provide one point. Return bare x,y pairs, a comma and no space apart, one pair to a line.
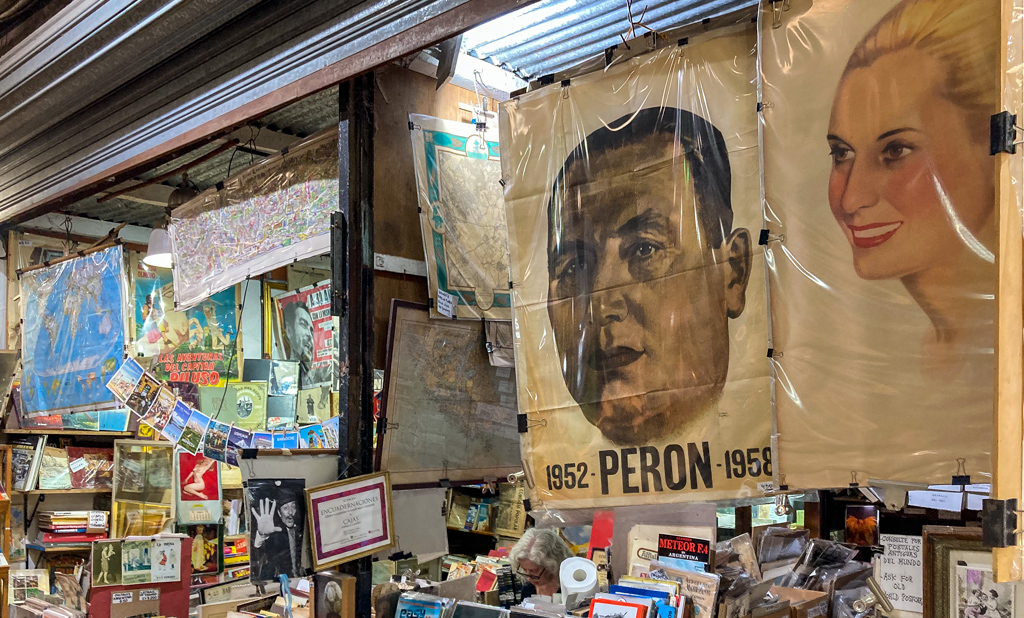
350,519
958,579
446,412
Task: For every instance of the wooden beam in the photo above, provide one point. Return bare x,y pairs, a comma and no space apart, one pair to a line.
1008,425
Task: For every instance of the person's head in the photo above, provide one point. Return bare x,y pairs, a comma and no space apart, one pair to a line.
288,512
645,271
537,556
912,182
299,330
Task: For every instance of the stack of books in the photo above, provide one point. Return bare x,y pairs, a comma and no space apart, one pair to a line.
67,528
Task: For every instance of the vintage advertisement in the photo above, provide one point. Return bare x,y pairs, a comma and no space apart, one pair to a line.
641,326
198,486
189,346
305,318
462,216
73,339
268,215
880,202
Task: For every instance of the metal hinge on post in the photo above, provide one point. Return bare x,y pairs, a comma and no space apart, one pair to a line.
1003,133
999,522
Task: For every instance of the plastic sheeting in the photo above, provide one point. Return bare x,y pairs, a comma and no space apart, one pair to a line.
269,215
880,201
641,328
74,323
462,215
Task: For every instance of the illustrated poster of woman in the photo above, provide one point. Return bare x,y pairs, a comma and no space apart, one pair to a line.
880,191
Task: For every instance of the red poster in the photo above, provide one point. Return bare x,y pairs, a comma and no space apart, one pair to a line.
304,319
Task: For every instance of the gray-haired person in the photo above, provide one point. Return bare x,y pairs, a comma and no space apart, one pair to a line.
536,559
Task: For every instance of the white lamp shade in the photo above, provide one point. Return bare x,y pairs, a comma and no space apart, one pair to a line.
159,253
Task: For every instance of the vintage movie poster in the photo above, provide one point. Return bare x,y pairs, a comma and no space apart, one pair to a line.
880,209
305,317
632,198
266,216
189,346
277,523
73,339
462,215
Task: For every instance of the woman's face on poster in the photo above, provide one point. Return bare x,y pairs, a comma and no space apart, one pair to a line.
911,179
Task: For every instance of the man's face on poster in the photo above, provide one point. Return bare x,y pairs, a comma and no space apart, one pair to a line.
300,336
287,512
639,295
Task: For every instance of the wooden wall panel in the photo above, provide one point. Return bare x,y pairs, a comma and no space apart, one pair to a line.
401,92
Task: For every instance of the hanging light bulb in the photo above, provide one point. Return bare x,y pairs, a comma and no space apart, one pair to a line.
158,254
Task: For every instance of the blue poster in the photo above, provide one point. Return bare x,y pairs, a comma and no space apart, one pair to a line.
73,342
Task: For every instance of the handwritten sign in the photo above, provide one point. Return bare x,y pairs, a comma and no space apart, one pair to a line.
900,571
121,597
149,595
445,303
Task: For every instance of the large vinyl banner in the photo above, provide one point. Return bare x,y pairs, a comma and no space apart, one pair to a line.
880,202
632,198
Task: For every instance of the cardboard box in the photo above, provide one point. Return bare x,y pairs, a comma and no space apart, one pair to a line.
803,603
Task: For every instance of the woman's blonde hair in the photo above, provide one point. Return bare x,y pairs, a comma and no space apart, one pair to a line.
963,35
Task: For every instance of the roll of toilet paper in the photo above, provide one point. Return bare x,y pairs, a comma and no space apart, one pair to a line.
578,576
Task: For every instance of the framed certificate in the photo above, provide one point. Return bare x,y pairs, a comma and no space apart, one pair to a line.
350,519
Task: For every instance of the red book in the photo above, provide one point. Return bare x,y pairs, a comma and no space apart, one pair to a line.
72,538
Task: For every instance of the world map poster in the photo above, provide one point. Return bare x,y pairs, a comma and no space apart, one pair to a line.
74,314
462,215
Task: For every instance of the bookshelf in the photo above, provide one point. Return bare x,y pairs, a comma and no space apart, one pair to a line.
39,492
68,432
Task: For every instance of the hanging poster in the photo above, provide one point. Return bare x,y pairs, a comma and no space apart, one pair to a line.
198,488
190,346
449,413
880,202
462,216
73,340
24,250
641,331
305,318
277,523
271,214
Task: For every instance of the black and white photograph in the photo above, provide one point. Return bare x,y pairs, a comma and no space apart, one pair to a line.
277,523
106,563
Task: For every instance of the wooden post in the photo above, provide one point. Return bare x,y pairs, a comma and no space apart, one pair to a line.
1008,425
352,282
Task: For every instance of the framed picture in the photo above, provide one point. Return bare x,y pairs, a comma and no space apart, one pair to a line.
958,577
447,413
350,519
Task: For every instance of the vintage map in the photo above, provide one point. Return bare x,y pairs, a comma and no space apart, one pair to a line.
465,238
74,314
449,413
271,214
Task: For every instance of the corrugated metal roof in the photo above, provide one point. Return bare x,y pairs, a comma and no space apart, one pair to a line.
553,35
301,119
